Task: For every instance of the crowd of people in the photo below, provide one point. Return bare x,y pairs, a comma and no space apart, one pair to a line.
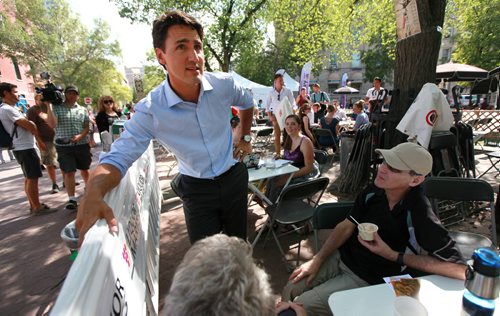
218,275
50,137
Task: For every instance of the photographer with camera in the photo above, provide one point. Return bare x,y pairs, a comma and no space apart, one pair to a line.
72,126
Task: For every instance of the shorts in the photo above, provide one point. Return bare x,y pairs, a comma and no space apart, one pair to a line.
49,155
75,157
30,163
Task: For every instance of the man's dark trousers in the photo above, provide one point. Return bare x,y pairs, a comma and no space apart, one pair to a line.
216,205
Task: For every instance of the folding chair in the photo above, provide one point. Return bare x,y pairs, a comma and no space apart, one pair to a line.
262,139
322,159
262,121
162,153
444,151
494,158
326,134
483,123
468,242
295,205
463,189
327,216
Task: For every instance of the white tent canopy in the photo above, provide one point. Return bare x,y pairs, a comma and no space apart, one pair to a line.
260,91
291,83
244,82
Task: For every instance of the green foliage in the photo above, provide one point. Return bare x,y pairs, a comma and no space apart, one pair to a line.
51,38
269,60
153,73
379,60
314,30
478,26
231,26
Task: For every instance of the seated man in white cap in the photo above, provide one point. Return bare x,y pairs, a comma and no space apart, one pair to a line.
410,238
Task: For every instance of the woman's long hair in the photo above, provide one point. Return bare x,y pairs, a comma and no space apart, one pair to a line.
100,104
288,140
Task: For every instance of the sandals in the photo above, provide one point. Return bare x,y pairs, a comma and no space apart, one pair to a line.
44,209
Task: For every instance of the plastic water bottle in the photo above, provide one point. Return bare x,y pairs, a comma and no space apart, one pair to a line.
482,283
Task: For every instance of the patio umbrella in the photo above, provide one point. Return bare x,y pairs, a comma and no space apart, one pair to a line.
346,90
459,72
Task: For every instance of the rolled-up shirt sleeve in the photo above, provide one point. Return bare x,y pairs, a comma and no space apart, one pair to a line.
243,98
132,143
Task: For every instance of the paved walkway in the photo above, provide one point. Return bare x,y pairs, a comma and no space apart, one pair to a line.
34,261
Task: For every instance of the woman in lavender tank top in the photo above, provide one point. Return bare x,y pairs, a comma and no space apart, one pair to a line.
299,149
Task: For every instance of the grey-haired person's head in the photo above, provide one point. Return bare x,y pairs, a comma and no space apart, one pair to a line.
218,276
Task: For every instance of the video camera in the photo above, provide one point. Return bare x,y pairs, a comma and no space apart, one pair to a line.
51,92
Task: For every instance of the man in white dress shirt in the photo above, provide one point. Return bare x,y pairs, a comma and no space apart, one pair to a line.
274,98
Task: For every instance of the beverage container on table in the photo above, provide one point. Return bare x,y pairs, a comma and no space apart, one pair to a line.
482,283
269,161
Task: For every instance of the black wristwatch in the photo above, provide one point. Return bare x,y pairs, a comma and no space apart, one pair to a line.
400,259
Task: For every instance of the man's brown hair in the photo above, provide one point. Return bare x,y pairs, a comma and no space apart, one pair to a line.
6,87
168,19
359,104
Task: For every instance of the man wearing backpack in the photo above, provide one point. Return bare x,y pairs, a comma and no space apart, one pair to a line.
24,146
320,97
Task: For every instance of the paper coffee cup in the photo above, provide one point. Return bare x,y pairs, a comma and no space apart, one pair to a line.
366,231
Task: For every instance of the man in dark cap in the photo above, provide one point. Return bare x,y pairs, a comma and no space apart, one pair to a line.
72,126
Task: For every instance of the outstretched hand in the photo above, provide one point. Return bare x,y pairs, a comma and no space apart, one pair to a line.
89,211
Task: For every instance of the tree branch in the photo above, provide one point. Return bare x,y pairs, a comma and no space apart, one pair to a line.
216,55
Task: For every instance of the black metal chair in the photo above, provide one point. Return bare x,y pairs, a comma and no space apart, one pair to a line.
463,189
295,205
262,139
444,151
174,184
262,121
322,159
468,242
327,216
324,132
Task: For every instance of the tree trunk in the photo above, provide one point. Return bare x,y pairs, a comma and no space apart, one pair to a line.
416,60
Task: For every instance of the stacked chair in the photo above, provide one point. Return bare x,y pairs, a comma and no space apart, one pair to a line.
463,190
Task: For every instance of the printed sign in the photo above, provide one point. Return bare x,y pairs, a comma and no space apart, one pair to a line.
118,274
407,20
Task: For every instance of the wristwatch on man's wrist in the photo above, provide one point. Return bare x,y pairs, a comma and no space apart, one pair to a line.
400,259
246,138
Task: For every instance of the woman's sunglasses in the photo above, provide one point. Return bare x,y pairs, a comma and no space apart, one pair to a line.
107,101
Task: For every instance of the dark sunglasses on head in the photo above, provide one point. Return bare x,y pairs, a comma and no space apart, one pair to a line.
108,101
